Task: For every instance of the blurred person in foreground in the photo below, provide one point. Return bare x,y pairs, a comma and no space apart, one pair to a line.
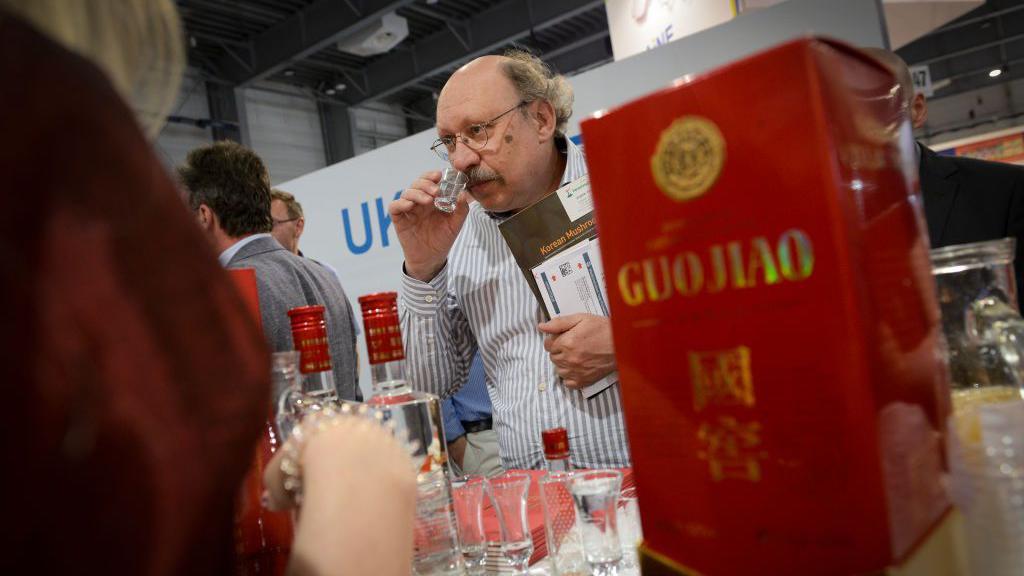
228,189
965,199
134,379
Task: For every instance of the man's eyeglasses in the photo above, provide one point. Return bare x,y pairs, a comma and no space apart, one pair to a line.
474,136
280,222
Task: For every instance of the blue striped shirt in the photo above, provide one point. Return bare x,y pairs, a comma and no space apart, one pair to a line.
480,300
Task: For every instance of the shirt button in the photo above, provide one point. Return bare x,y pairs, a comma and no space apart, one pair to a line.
428,298
542,386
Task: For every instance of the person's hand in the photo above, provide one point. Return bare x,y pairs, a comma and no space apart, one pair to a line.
457,450
359,501
580,346
354,450
426,233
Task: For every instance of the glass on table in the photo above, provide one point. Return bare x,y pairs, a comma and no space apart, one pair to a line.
509,493
468,496
565,550
630,533
596,496
452,183
435,538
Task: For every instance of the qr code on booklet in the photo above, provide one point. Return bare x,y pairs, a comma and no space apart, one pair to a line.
565,268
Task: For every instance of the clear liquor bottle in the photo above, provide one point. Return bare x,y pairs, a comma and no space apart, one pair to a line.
417,417
309,334
384,348
565,544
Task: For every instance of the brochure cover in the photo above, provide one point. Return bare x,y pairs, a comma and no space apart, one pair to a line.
555,245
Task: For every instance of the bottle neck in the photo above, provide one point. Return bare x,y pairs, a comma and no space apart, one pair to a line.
319,385
558,464
389,383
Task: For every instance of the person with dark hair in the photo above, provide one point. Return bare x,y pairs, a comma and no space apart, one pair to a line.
228,189
501,120
965,200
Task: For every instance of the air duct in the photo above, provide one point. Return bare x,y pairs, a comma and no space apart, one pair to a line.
377,38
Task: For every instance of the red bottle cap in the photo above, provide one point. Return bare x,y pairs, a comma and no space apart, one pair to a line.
556,443
309,334
380,323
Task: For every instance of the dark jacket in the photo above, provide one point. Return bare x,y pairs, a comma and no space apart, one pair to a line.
968,200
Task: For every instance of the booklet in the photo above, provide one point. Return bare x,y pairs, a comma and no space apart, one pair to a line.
555,245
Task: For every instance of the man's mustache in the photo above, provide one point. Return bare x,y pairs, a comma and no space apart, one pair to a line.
479,175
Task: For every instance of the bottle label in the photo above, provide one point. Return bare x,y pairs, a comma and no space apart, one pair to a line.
315,354
383,338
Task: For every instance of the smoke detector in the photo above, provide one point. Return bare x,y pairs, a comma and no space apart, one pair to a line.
377,38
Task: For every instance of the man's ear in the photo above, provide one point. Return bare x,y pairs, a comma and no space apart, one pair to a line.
207,218
544,116
300,225
918,111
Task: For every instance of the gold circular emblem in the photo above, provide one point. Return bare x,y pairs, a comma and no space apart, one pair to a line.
689,157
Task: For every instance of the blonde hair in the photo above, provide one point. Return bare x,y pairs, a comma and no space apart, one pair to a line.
137,43
534,80
293,206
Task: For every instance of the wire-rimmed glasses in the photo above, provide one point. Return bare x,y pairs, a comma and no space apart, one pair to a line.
473,137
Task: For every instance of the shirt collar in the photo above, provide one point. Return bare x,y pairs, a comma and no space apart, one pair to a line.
226,256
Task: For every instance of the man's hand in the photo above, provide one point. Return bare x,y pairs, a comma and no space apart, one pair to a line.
457,450
426,233
580,346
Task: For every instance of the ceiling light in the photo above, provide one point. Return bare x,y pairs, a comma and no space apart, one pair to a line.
995,72
339,86
329,91
289,72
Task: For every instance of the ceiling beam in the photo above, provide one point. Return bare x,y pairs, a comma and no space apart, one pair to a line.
583,54
499,25
310,30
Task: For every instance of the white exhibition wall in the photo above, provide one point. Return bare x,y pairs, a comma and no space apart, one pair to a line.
347,224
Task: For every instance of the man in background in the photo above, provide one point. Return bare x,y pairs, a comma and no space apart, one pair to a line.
229,192
289,222
965,200
501,120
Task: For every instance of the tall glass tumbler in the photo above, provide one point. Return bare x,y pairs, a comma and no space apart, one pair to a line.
435,539
468,496
565,549
630,533
509,494
596,495
452,183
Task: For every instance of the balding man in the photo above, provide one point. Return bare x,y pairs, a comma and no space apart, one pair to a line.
501,120
965,200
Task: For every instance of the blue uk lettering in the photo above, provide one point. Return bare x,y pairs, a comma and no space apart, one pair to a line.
383,226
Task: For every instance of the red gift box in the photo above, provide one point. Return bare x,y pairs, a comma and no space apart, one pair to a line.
774,315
